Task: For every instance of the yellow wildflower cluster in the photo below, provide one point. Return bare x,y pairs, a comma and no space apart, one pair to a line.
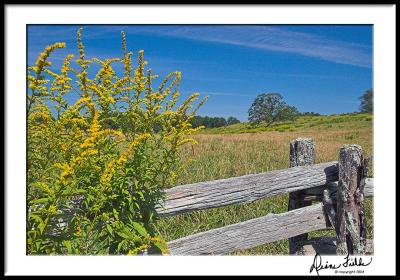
164,249
114,149
138,249
67,172
78,231
42,62
37,82
53,209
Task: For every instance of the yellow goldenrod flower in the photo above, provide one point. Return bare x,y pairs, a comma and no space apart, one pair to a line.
138,249
52,209
78,230
41,61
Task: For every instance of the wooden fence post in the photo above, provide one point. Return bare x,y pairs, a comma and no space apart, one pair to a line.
351,225
302,152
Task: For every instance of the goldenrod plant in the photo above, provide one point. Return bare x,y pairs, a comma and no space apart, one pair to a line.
97,166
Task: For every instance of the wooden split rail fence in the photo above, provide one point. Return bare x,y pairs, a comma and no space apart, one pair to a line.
339,186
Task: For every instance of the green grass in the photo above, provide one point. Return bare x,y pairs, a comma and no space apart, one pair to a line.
321,122
239,149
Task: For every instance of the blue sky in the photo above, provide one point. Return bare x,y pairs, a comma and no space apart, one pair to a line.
319,68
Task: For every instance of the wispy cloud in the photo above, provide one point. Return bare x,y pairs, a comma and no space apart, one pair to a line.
270,39
299,75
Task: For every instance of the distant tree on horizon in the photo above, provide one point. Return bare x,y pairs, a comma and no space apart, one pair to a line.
232,120
208,122
310,114
367,101
269,108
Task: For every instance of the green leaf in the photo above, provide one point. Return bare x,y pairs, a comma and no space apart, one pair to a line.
162,247
77,191
120,245
141,195
37,243
124,234
31,236
67,244
115,213
42,226
37,218
43,200
124,191
140,229
109,228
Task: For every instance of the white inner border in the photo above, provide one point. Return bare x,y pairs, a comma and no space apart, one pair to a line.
383,19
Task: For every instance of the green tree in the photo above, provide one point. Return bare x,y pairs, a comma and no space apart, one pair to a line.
269,108
310,114
196,121
218,122
207,121
367,101
232,120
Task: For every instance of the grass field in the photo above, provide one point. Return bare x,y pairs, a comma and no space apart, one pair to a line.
241,149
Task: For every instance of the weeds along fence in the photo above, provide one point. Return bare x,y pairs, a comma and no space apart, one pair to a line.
338,188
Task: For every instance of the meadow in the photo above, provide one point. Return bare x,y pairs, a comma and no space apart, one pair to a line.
241,149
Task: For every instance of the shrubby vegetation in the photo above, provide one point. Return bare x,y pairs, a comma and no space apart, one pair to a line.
96,167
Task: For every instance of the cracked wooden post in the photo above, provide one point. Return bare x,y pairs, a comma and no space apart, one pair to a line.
351,225
302,152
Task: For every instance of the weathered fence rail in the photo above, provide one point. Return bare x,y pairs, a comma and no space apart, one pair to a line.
217,193
308,182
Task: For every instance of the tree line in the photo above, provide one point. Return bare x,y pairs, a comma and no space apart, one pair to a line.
211,122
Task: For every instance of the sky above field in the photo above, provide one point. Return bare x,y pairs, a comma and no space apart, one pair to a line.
319,68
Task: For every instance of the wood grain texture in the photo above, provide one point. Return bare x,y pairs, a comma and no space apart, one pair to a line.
246,188
351,225
251,233
302,153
